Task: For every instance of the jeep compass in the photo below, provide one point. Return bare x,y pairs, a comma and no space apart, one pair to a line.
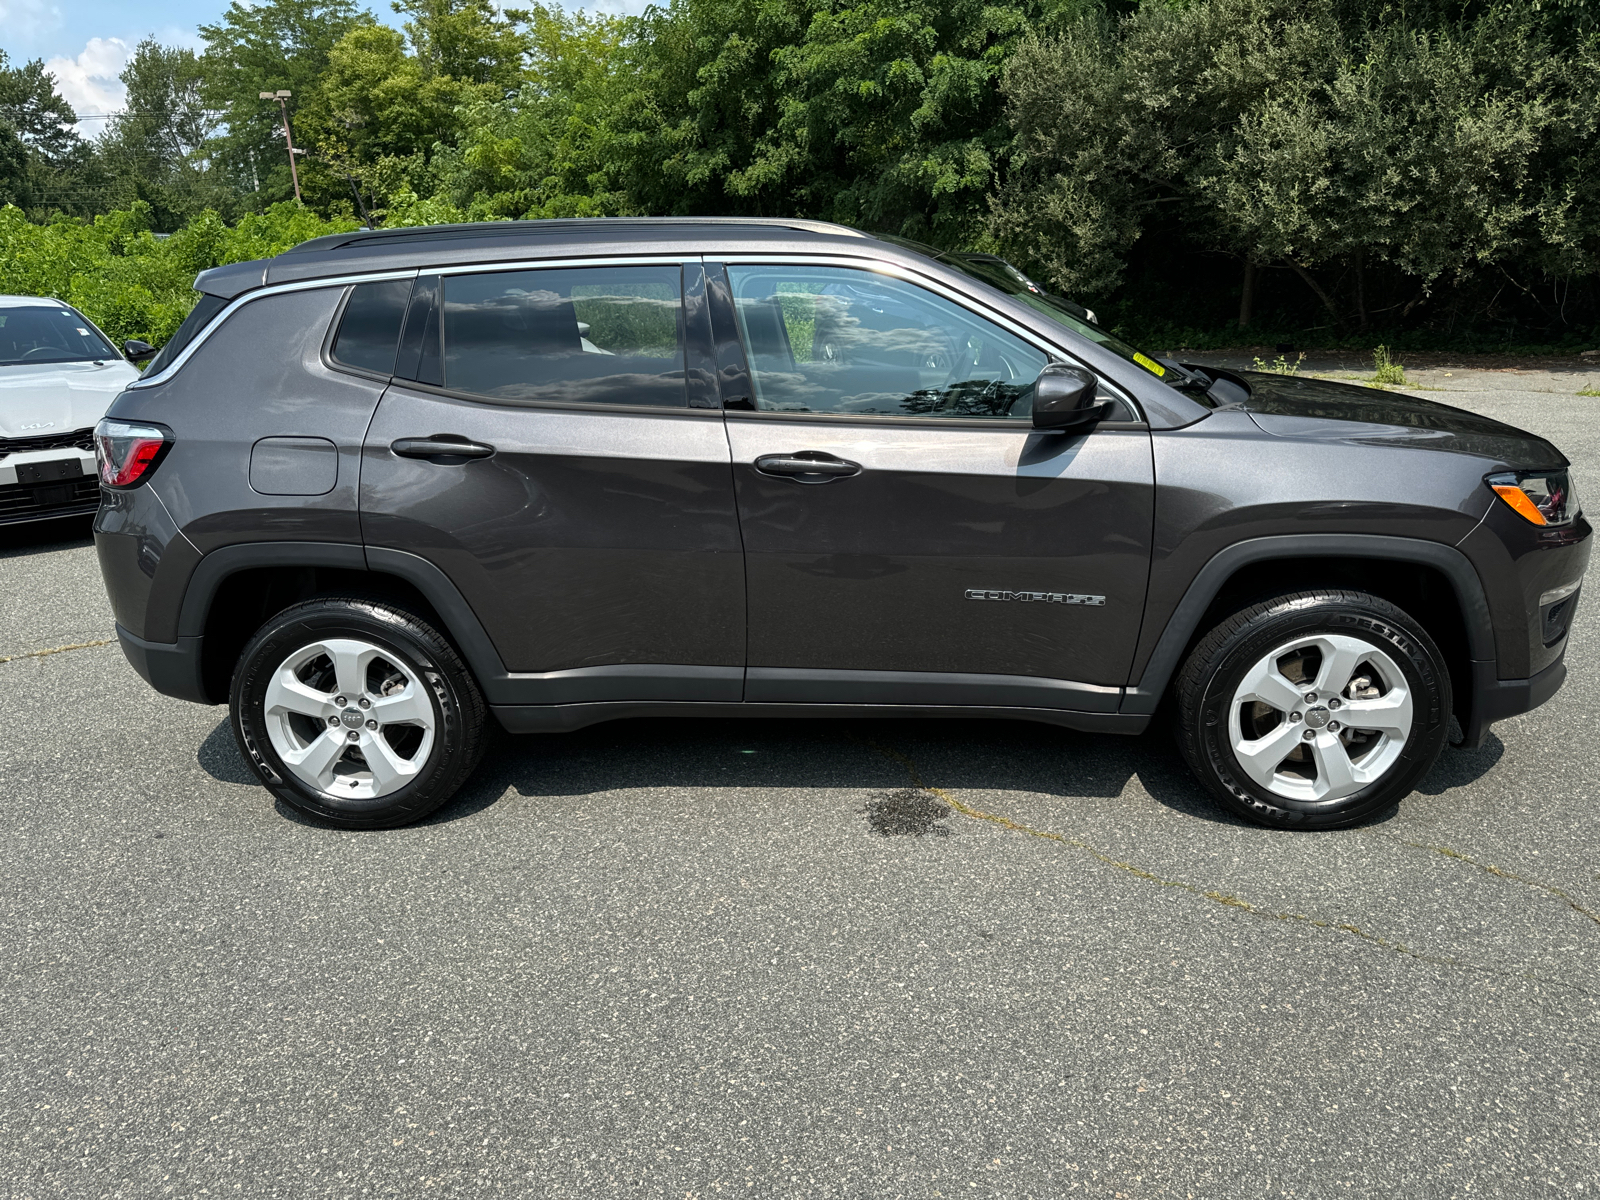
389,485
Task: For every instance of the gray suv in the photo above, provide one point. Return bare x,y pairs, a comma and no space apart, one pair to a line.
389,483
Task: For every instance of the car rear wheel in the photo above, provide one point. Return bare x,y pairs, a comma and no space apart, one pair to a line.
1315,710
356,713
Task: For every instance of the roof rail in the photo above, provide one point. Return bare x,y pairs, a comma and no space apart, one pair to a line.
430,233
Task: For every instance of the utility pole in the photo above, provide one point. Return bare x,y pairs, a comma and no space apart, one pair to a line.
282,97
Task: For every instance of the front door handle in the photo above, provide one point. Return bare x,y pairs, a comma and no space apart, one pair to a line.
440,445
807,466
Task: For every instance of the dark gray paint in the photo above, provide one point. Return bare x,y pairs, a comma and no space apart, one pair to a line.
595,538
869,572
1225,480
294,466
260,374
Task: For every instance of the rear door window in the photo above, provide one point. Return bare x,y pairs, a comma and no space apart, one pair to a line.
590,335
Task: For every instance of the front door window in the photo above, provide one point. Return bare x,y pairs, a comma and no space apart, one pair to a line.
838,340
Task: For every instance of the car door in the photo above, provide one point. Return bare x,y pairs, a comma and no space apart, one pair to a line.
909,538
545,445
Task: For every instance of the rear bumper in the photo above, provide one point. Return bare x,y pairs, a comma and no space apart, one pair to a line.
172,668
1497,699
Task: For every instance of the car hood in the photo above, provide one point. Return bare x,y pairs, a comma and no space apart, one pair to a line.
1321,409
38,400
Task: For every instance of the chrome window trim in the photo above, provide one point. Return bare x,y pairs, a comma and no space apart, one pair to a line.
559,264
277,289
481,268
976,307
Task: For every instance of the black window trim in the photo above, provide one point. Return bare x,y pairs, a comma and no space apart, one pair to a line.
332,363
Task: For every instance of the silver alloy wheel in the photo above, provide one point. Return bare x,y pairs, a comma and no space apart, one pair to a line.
1320,717
349,718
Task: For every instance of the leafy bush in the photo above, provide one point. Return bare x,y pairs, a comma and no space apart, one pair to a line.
125,279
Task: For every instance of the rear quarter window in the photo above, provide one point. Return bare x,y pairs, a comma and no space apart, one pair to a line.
369,329
202,314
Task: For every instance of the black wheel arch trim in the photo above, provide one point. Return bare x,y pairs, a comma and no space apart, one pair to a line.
1209,580
462,623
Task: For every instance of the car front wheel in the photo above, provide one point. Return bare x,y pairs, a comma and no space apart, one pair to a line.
1315,710
356,713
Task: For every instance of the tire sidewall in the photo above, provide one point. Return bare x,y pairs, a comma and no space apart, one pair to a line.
279,639
1410,649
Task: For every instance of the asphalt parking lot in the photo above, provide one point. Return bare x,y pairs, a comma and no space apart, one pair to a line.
691,959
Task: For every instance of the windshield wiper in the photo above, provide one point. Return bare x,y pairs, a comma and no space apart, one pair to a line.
1185,378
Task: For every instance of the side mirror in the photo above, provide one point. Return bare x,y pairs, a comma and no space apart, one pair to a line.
1063,398
137,351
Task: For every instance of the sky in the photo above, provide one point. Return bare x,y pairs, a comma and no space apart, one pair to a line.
85,43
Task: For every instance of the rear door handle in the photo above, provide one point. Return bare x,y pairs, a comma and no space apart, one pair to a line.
807,466
442,445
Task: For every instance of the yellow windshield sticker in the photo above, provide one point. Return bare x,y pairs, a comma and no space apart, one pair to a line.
1150,364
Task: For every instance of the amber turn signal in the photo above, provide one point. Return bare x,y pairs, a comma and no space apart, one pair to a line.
1518,499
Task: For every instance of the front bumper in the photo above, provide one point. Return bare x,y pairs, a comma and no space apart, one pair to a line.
172,668
21,502
1496,699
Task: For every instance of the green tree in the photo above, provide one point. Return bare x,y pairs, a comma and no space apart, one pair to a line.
35,111
266,47
885,114
467,40
16,188
1287,135
157,148
382,113
552,149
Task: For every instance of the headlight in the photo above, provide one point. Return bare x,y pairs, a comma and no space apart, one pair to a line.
1541,497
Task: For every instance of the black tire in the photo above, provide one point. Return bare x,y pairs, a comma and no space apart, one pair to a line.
1215,670
457,708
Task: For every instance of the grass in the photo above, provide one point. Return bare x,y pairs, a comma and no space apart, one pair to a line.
1590,392
1386,372
1280,365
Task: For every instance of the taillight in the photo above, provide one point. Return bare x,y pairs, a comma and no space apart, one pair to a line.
1538,497
127,452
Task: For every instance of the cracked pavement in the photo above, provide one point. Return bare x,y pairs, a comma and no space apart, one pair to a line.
695,958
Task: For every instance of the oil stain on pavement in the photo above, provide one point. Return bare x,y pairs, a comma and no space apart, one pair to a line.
909,812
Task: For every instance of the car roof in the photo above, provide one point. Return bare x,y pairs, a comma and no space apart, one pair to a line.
29,301
490,241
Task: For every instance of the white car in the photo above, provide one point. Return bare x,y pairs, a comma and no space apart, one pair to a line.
58,375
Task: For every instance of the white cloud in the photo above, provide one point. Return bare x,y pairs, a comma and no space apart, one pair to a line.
25,20
89,82
611,8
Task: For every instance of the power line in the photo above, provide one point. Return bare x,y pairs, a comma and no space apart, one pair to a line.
198,112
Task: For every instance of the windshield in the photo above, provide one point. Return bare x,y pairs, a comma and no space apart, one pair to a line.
40,333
